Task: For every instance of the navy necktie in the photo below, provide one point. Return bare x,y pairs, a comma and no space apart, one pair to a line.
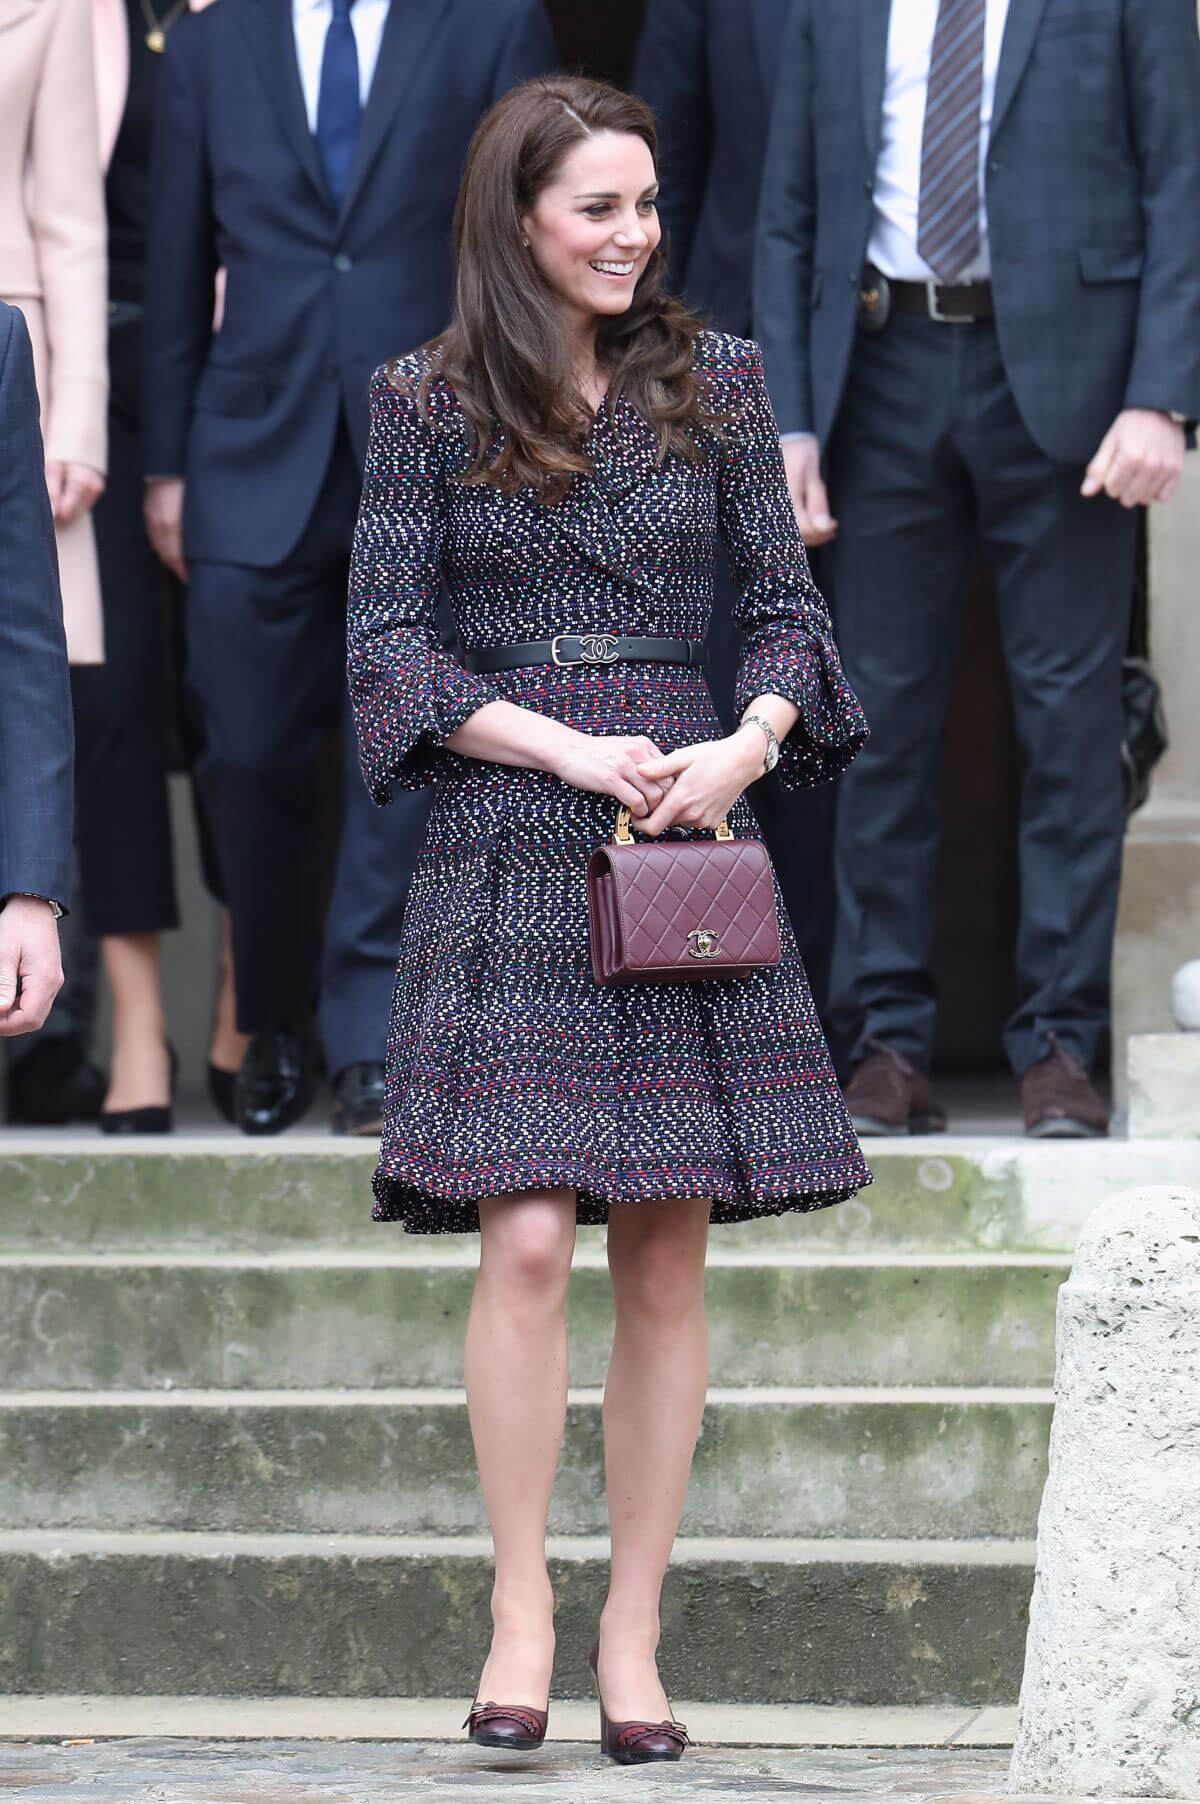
339,108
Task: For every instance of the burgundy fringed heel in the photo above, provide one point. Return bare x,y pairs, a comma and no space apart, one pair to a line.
630,1743
516,1726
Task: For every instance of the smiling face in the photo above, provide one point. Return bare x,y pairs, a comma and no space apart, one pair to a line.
594,227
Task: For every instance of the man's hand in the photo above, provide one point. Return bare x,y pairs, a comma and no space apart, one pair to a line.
74,488
162,507
29,961
1140,459
802,461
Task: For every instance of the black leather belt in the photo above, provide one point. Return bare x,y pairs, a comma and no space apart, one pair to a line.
567,649
946,301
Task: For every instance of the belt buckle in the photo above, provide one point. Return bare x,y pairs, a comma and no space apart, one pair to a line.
935,312
595,648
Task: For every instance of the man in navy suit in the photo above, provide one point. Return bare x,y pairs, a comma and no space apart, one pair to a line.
979,304
37,754
708,68
312,149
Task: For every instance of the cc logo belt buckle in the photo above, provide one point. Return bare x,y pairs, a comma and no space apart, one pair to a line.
594,648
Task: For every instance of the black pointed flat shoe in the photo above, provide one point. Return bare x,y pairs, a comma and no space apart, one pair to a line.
515,1726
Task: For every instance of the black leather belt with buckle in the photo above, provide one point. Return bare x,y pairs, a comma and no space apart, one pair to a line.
569,649
951,303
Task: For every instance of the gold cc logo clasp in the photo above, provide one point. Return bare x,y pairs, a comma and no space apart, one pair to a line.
707,944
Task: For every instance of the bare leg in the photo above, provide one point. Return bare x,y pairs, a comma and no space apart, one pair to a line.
653,1402
140,1077
515,1362
226,1047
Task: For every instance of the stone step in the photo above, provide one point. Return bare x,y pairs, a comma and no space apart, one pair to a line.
920,1622
367,1319
945,1462
391,1719
62,1191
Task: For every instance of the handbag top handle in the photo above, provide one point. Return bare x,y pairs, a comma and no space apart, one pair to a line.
623,836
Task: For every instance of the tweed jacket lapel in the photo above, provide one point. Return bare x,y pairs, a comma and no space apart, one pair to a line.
589,516
267,27
1020,30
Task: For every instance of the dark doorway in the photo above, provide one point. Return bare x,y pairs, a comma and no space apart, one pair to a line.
595,39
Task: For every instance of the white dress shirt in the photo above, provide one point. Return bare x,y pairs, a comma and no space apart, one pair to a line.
311,21
892,246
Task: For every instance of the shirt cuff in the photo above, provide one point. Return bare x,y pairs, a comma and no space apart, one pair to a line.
56,908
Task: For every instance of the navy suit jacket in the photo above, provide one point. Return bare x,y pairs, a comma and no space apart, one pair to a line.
708,69
37,747
1093,199
316,297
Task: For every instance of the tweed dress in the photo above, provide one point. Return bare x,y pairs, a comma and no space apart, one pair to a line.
508,1067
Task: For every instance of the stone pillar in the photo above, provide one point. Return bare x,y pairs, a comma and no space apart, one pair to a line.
1160,890
1110,1699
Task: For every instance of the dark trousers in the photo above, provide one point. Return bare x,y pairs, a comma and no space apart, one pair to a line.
797,825
928,452
127,874
267,665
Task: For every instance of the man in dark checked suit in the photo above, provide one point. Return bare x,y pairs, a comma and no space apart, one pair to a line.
311,148
708,68
979,305
37,747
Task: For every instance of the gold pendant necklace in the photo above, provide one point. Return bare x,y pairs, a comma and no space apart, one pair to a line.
156,28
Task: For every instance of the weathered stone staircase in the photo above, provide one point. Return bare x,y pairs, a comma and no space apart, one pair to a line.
235,1460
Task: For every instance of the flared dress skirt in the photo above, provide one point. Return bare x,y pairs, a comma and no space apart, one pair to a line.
511,1069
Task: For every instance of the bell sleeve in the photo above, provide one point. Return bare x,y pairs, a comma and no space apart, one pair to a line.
407,692
789,648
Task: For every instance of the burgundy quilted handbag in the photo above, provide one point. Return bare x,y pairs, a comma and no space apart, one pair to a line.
680,909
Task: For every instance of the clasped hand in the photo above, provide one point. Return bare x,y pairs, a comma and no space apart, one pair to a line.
695,786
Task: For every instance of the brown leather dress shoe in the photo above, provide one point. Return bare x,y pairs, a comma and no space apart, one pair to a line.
632,1744
491,1725
1059,1099
888,1094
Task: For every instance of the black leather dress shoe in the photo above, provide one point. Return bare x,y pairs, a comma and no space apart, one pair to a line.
359,1093
276,1082
53,1083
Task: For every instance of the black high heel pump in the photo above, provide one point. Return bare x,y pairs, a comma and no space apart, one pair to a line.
153,1120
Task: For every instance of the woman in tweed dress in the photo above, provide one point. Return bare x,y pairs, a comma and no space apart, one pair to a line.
563,458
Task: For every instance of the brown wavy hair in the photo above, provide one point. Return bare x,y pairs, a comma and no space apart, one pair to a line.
507,353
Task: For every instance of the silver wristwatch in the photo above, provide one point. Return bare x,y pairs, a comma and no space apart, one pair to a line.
771,758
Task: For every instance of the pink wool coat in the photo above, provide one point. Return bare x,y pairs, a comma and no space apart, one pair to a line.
53,258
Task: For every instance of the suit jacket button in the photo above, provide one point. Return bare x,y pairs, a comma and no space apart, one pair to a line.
342,263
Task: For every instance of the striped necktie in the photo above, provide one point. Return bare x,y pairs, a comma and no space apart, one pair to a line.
948,215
